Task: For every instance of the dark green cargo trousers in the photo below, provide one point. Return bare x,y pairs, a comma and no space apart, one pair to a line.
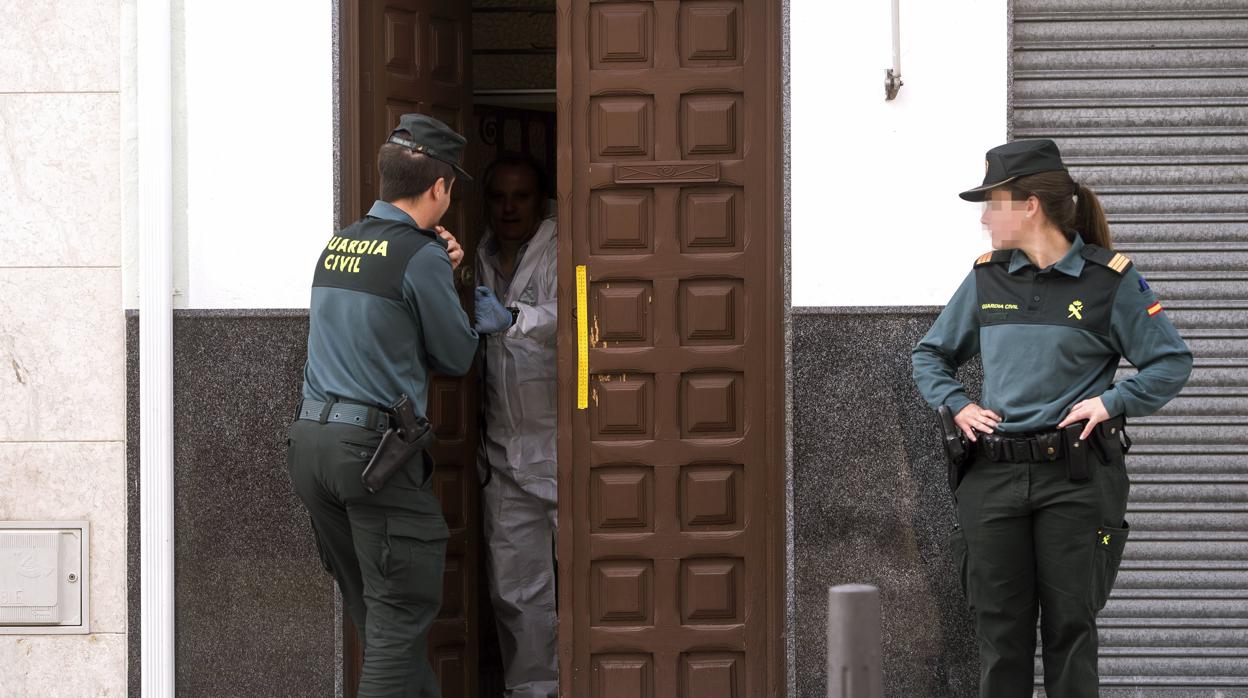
1031,542
386,550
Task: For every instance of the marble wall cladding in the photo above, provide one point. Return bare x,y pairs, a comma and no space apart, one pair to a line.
59,46
255,611
870,501
61,355
72,481
61,335
62,666
59,183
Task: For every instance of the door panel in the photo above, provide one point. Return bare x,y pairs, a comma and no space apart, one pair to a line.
403,56
671,534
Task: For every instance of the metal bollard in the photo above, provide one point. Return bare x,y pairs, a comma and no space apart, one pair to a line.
854,642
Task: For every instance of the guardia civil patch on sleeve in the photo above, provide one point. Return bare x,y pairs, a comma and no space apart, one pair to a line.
1143,285
1153,309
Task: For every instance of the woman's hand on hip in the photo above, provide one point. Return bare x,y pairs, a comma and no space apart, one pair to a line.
1091,409
974,418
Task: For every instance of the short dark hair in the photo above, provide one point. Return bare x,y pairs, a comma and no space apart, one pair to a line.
407,174
519,160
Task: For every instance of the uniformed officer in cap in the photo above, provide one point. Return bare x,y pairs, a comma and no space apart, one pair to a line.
1042,506
384,313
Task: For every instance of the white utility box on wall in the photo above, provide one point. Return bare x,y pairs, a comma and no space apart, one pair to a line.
44,570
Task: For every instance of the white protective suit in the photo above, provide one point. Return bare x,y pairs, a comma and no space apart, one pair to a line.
518,502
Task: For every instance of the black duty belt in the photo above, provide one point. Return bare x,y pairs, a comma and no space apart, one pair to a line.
1032,448
345,413
1108,438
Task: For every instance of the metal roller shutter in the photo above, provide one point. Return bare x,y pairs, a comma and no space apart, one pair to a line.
1149,102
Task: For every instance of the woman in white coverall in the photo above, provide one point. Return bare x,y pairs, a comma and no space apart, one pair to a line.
516,269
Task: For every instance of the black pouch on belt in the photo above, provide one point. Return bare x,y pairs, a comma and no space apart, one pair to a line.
398,446
991,446
1050,444
1076,453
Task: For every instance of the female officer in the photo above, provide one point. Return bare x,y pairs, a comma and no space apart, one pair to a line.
1041,509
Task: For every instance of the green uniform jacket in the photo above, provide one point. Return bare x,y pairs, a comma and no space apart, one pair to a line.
384,313
1050,338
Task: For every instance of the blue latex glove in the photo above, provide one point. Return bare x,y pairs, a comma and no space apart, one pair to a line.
491,316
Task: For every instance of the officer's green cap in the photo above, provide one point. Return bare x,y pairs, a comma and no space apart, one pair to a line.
1006,163
433,138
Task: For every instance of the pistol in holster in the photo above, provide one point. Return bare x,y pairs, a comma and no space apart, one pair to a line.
956,446
408,436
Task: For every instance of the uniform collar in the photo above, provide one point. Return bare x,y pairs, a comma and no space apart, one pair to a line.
388,211
1071,264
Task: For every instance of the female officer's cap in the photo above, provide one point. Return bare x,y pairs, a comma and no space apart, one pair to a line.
1006,163
433,138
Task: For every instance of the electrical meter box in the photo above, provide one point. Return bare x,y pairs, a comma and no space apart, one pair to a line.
43,577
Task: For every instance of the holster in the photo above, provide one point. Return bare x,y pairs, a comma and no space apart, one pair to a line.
1110,439
956,448
399,445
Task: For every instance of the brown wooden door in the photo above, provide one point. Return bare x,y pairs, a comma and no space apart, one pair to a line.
399,57
671,481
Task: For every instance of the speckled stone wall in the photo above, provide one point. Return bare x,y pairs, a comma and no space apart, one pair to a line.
870,503
256,614
255,611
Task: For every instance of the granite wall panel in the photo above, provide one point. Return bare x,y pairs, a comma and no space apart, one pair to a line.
870,501
255,611
256,614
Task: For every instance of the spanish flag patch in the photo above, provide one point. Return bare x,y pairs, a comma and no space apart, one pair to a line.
1154,309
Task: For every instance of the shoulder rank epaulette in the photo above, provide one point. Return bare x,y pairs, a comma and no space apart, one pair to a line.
998,256
1116,261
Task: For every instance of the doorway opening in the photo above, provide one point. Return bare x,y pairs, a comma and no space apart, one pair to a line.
487,69
671,385
514,98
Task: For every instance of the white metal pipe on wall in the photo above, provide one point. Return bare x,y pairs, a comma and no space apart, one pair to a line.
897,37
155,122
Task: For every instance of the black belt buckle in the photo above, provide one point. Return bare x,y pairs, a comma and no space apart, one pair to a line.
1076,453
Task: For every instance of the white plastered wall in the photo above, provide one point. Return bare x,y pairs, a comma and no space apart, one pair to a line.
253,153
875,215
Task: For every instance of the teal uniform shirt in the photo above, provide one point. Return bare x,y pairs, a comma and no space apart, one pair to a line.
384,313
1051,337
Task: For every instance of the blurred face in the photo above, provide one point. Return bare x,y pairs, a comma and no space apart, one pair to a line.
513,203
1009,222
